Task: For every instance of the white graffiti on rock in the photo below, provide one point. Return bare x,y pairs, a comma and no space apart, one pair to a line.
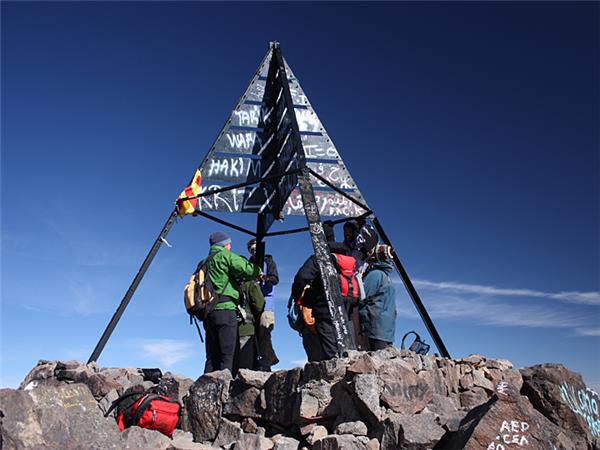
582,404
513,433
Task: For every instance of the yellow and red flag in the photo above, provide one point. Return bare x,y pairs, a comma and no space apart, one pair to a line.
185,207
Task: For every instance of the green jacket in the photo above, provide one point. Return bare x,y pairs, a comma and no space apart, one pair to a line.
255,305
224,269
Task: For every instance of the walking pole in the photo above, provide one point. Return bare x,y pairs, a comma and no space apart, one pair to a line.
134,284
413,293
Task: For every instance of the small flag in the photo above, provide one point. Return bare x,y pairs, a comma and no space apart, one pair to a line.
185,207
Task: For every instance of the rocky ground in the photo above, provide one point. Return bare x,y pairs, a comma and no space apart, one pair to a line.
389,399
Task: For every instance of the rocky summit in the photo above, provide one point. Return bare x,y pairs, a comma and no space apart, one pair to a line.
389,399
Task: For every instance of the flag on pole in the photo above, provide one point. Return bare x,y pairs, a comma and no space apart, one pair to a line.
185,207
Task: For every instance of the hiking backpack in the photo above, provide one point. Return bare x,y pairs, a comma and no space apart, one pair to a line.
294,315
146,409
418,346
199,294
345,266
296,312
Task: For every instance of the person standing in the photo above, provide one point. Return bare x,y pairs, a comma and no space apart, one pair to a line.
313,297
225,269
377,312
253,304
267,356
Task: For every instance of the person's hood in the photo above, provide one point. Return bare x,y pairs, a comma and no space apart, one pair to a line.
385,266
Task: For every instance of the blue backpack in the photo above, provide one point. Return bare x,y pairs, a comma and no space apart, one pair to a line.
294,315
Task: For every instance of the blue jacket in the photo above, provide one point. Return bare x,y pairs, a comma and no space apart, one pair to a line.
378,310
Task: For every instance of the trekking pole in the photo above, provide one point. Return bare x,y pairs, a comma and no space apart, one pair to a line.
413,293
134,284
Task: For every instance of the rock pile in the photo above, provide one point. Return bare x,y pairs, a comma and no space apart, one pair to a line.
390,399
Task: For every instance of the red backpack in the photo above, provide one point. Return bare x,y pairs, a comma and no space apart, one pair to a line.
147,409
345,266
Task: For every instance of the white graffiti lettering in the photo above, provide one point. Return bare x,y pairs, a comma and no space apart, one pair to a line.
511,432
495,446
228,168
316,151
502,387
583,405
307,120
316,228
242,140
334,174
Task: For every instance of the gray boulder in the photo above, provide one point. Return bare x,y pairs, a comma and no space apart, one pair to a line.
280,396
562,397
285,443
403,391
204,404
367,390
136,438
356,428
64,417
229,433
41,374
339,442
413,432
508,420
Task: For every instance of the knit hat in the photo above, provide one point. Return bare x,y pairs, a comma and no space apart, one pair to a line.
219,238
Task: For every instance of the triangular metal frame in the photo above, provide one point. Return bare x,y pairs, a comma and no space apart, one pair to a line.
274,154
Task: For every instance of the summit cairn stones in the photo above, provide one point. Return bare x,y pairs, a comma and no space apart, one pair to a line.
384,400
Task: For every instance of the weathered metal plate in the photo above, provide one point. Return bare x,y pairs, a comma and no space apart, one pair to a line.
256,93
330,204
263,70
237,141
250,116
319,147
233,169
335,173
256,143
288,71
308,121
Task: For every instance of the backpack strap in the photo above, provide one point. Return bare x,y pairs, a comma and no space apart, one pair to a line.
192,317
146,403
141,409
119,400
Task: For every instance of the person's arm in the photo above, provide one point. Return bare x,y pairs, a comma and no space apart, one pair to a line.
242,269
373,282
272,274
306,275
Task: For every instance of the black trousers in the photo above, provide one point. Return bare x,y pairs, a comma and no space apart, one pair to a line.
248,356
222,344
326,334
312,346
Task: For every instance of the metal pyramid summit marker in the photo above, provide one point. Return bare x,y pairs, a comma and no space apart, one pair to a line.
273,157
256,142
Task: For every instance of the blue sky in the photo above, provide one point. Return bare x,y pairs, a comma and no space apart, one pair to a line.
471,130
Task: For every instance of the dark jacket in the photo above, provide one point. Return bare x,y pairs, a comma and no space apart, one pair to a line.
315,296
378,310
